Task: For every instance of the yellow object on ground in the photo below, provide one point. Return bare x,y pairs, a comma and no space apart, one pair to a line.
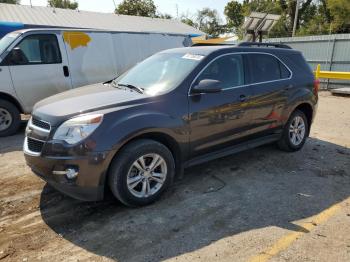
284,242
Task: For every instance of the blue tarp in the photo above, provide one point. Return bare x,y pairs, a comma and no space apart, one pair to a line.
7,27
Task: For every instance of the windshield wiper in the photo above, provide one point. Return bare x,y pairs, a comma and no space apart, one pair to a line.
138,89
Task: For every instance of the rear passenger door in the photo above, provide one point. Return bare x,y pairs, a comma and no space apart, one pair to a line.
269,79
36,65
217,119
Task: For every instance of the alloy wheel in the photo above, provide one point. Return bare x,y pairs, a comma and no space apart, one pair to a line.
297,130
147,175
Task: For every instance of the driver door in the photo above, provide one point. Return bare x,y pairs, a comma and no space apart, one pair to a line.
218,119
38,68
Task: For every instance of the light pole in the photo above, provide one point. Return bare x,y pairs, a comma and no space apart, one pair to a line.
295,18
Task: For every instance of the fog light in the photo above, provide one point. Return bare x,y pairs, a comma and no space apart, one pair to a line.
70,173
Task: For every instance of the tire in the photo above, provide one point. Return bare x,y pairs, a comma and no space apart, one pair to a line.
10,118
293,142
127,177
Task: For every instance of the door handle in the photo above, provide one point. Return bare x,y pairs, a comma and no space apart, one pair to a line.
66,71
242,98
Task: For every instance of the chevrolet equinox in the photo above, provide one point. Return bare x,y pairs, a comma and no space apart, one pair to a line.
176,109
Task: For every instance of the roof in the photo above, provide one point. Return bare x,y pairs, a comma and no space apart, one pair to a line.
57,17
206,50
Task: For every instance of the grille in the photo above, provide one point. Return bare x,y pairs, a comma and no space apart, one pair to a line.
41,124
35,145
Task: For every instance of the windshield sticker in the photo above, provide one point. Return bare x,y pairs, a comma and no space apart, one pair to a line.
193,57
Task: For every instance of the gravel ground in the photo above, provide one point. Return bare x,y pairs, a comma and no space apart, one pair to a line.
231,209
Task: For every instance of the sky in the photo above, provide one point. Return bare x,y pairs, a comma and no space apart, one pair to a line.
164,6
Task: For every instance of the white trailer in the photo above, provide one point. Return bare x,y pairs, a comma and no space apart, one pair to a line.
37,63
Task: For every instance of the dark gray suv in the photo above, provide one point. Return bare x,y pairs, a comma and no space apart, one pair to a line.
178,108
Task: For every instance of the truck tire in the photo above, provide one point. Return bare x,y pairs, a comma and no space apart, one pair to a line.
294,133
10,118
141,172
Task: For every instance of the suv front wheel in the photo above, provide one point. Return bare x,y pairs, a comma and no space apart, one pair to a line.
295,132
141,172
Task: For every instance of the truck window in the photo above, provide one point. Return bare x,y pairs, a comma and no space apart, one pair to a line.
265,68
227,69
36,49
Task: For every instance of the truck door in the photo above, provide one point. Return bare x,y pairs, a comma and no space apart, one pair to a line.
39,68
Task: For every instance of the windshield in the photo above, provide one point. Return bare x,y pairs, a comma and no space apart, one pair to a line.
6,41
160,73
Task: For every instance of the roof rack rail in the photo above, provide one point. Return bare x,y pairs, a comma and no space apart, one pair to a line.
264,44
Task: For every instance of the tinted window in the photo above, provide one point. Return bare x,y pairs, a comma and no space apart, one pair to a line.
284,71
227,69
265,68
36,49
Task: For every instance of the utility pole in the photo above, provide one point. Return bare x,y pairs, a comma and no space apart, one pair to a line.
115,6
295,18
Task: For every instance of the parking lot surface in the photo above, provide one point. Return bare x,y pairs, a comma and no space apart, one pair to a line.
259,205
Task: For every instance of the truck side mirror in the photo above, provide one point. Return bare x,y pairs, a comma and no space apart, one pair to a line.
16,57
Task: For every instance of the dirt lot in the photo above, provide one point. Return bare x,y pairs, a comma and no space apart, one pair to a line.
257,205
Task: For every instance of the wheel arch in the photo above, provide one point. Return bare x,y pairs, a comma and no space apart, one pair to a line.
161,137
308,110
12,100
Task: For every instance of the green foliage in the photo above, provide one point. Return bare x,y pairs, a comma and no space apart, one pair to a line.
16,2
315,16
164,16
188,21
208,21
65,4
137,8
234,14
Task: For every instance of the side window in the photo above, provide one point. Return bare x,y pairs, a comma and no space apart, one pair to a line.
284,71
265,68
227,69
35,49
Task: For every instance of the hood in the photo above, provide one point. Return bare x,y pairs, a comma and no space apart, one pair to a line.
84,100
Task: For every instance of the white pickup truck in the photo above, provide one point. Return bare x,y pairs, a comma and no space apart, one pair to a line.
37,63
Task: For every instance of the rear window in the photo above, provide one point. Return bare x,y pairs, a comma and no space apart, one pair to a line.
263,68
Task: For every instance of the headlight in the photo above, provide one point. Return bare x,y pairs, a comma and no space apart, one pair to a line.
78,128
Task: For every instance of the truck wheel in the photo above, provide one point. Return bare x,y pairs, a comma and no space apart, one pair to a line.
295,132
141,172
10,118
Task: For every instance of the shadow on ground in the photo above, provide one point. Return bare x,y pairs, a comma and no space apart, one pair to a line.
254,189
13,143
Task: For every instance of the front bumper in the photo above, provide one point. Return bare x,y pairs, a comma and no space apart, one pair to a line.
88,185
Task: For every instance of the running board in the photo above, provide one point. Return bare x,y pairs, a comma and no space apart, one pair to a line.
232,150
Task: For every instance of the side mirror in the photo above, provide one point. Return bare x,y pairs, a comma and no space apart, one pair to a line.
207,86
16,57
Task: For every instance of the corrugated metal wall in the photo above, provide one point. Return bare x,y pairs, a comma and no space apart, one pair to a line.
331,51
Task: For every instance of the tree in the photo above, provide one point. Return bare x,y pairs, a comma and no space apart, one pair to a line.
234,14
340,13
209,22
164,16
137,8
65,4
15,2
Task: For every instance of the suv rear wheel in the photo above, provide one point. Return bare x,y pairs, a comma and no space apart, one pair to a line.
10,118
141,172
295,132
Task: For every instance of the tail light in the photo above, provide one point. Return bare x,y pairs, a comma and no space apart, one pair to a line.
316,86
